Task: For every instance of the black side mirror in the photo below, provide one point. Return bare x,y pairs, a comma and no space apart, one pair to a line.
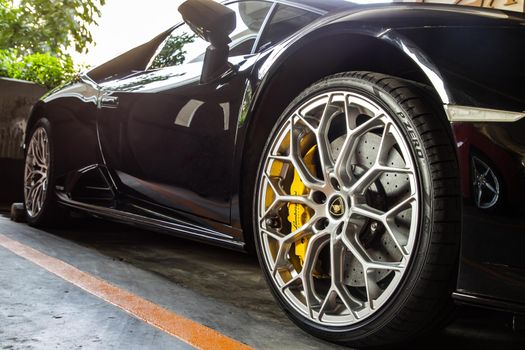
214,23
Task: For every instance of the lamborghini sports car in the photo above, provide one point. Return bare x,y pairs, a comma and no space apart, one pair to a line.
373,156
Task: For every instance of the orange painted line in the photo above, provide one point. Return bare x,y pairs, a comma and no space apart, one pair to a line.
190,332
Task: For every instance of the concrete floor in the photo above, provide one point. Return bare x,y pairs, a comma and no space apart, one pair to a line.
221,289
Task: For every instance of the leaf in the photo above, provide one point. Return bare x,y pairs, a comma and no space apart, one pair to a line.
35,26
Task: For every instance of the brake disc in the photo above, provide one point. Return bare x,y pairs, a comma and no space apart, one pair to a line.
386,188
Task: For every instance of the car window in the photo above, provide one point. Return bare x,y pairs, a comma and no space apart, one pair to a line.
285,21
250,18
183,46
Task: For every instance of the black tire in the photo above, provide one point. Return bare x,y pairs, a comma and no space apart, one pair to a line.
422,301
52,214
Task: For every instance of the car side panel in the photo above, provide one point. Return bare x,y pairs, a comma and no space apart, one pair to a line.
72,112
492,264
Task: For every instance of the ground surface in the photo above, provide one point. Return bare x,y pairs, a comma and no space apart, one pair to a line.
221,289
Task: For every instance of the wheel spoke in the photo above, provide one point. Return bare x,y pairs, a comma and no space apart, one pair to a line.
330,299
372,174
475,168
282,198
386,219
40,154
372,289
38,197
357,250
337,252
274,186
298,200
401,205
297,279
34,194
491,188
479,194
387,142
285,243
279,158
295,157
349,145
368,212
275,235
321,135
315,244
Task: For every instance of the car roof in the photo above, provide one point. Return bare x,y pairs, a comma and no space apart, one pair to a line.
325,5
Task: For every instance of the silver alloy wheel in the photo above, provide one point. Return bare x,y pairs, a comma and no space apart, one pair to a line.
486,184
358,214
36,172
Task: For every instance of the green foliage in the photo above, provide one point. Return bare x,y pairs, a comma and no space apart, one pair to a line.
41,68
172,53
35,35
32,26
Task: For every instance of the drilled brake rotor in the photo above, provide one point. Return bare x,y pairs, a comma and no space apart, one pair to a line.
386,186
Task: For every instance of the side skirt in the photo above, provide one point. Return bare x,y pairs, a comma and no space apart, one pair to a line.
178,228
488,303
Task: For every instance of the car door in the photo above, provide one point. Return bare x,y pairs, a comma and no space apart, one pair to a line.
167,138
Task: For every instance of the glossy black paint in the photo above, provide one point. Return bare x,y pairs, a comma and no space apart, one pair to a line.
171,154
492,263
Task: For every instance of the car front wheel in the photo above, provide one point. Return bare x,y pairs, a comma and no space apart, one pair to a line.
357,210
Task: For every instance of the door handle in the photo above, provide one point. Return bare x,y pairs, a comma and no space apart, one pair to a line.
108,102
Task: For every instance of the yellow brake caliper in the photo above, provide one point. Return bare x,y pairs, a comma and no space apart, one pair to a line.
298,214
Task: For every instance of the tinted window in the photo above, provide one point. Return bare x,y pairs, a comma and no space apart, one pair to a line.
183,46
285,21
250,18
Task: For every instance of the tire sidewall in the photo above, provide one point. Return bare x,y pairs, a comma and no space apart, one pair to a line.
409,282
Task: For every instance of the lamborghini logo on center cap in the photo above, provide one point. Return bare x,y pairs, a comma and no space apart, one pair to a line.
337,207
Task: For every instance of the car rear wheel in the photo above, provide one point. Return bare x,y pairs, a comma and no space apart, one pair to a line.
41,206
357,210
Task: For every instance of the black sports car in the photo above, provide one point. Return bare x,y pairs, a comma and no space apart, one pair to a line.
372,155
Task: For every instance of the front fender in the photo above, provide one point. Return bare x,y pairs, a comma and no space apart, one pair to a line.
72,111
480,66
486,73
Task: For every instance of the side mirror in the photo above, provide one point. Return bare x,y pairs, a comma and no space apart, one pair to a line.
214,23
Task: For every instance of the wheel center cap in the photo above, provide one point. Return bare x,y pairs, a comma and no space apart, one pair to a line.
337,207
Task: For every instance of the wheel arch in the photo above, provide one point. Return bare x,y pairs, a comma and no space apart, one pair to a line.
280,81
74,137
36,113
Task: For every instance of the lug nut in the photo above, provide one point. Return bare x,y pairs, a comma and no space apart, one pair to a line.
272,222
373,226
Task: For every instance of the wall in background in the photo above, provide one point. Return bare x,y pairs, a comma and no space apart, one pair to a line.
16,99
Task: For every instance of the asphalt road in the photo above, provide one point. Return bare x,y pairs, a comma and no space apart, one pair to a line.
218,288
